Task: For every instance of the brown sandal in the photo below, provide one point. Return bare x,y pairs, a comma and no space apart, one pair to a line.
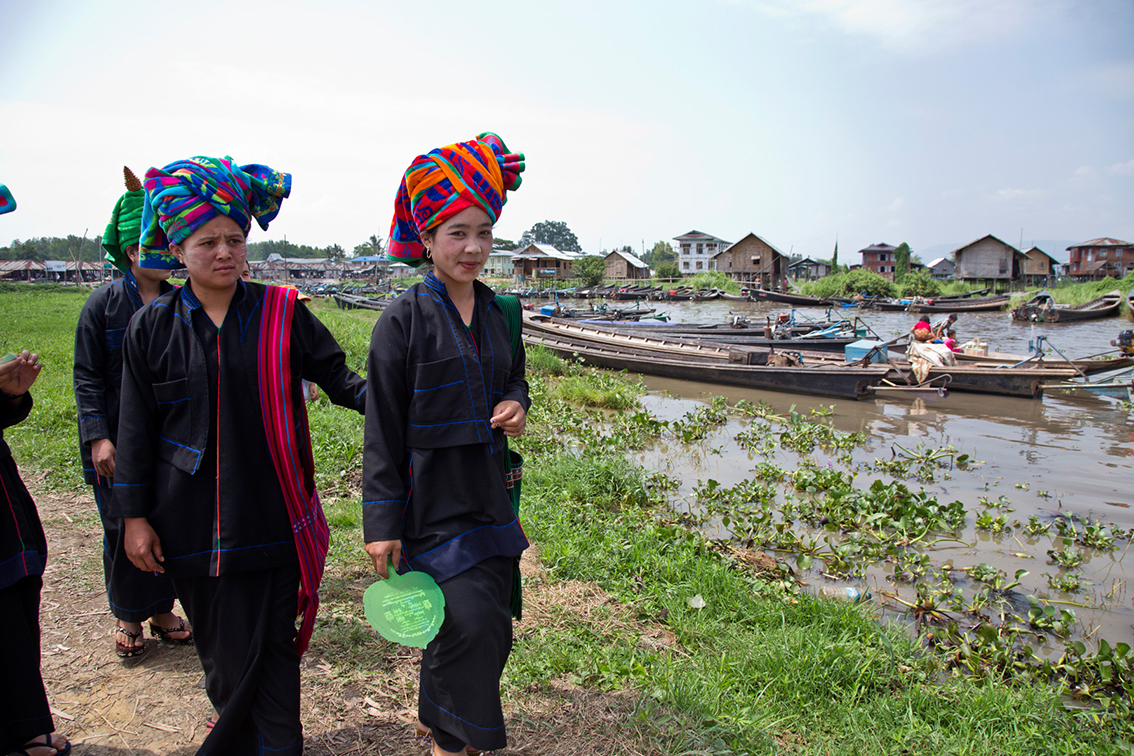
128,650
166,634
424,737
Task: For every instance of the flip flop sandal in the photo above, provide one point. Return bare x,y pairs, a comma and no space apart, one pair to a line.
424,737
45,744
127,650
166,634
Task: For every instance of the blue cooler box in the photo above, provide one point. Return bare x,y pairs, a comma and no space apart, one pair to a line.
857,350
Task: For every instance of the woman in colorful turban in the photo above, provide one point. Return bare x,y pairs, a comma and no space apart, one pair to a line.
133,595
436,472
215,475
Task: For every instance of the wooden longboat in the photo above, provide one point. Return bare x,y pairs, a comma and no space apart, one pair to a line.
1088,365
799,300
707,330
842,381
1042,309
750,337
983,304
1026,381
351,302
885,305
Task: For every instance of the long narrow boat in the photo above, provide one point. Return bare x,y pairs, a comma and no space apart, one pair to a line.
699,360
982,304
1043,309
1088,365
351,302
799,300
847,382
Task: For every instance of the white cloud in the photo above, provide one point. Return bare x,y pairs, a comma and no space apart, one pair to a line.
896,205
1121,169
1084,170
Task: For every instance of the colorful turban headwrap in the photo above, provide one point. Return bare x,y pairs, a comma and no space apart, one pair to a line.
183,196
125,224
445,181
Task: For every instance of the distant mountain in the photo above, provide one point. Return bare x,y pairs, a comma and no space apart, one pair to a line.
1057,248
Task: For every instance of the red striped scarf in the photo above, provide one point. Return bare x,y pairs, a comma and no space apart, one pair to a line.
285,417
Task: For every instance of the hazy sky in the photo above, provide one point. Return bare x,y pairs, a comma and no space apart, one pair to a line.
870,120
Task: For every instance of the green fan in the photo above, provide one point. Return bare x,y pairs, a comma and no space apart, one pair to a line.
406,609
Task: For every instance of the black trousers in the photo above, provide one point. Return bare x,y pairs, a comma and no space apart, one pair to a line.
460,669
244,625
24,712
133,595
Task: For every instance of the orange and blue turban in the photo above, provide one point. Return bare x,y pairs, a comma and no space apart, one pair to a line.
445,181
183,196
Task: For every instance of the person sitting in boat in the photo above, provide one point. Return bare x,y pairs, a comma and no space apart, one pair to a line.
950,340
922,331
941,326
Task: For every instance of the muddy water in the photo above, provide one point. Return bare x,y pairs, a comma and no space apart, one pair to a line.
1059,455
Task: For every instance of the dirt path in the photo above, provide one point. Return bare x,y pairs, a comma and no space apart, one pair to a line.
157,704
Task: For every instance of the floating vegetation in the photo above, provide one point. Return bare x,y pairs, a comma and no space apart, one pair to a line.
1035,527
922,463
1067,582
1068,558
998,524
1058,621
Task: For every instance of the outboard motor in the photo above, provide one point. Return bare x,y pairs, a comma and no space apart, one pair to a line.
1125,342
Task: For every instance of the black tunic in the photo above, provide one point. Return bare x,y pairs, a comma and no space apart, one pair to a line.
433,476
433,468
98,363
133,595
23,546
24,711
193,454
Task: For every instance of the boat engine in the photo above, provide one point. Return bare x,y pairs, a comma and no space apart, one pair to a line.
1125,342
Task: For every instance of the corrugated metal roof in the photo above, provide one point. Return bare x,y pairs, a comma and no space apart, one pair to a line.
696,235
8,266
986,236
1037,249
630,258
879,247
544,250
773,247
1102,241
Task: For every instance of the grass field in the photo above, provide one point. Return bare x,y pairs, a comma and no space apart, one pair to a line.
740,670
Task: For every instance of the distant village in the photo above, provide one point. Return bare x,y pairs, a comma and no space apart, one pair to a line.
751,260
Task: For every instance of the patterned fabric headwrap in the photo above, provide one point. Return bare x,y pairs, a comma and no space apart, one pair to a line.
125,223
183,196
445,181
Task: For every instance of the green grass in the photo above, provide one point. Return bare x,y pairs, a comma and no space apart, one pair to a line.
42,318
753,671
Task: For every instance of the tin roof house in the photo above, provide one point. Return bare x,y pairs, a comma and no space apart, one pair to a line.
695,249
753,260
989,259
1102,257
623,264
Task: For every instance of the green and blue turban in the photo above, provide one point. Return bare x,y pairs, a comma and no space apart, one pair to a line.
183,196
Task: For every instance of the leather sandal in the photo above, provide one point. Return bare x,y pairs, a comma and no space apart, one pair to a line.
424,737
127,650
166,634
45,743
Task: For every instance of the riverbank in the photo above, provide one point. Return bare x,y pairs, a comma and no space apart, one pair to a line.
640,635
